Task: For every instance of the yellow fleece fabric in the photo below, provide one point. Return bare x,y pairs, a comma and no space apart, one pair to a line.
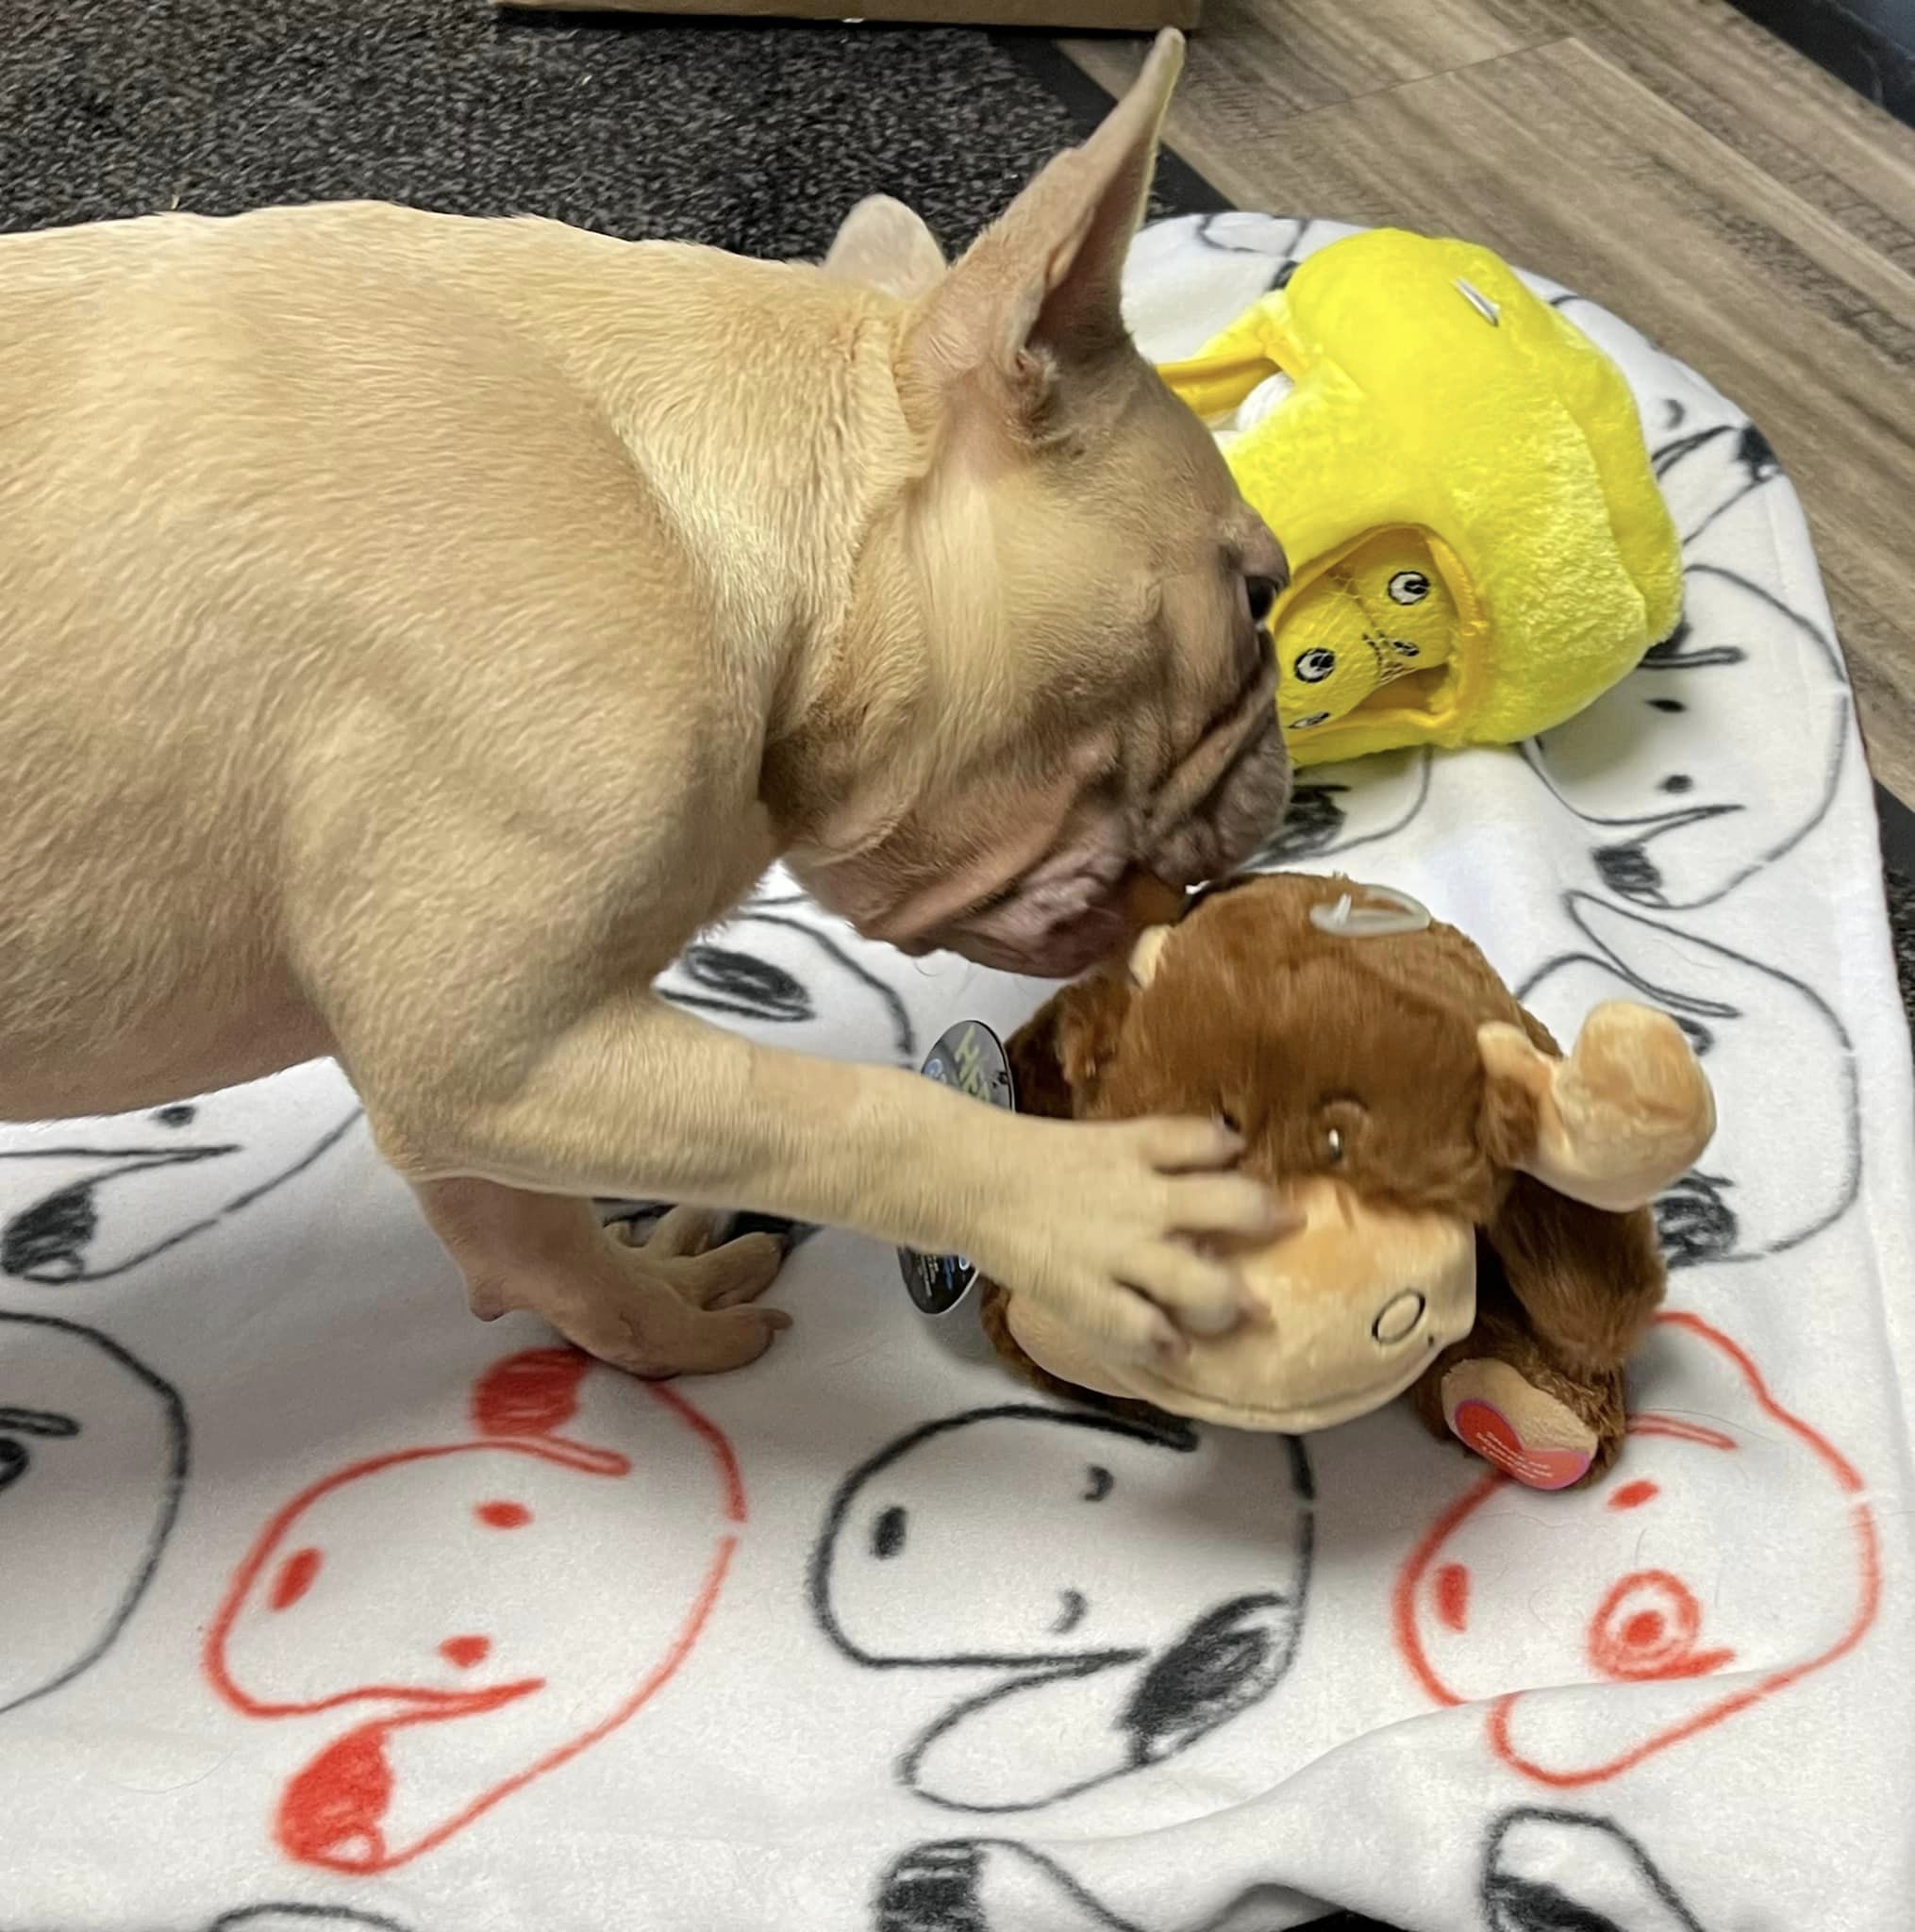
1460,477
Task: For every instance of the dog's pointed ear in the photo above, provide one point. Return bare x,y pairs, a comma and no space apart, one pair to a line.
1040,287
881,245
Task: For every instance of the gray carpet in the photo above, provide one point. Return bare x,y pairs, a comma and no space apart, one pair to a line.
751,138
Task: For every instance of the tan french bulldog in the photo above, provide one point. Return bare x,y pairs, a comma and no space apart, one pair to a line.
414,629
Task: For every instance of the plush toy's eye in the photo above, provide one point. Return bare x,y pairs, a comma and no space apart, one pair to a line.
1315,665
1308,719
1409,587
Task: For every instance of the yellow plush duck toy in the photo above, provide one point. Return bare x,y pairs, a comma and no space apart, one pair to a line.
1460,476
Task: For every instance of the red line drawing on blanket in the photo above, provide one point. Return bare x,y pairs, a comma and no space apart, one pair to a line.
425,1580
1691,1620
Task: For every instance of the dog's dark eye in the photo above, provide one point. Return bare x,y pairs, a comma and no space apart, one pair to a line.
1261,593
1227,1121
1333,1146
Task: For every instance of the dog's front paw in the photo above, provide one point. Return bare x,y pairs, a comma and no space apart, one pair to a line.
650,1332
707,1275
667,1305
1126,1231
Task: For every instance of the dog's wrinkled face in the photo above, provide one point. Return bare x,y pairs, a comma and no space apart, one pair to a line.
1088,585
1126,581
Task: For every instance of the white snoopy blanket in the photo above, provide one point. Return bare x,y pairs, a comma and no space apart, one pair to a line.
323,1605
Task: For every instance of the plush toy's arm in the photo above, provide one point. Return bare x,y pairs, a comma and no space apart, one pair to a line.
1612,1125
1595,1136
1588,1279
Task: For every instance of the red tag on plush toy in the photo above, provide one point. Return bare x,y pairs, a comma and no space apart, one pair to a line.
1482,1426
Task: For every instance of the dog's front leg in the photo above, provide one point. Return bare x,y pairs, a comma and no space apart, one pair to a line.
637,1099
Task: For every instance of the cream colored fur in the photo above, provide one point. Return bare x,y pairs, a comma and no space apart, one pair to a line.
414,629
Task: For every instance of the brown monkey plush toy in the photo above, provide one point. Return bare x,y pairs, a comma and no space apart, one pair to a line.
1473,1203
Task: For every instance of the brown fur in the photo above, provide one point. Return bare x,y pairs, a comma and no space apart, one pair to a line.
1258,1014
416,629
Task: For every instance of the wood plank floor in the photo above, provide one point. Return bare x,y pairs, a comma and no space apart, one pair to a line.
1666,156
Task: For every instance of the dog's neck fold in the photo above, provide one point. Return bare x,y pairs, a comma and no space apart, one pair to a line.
792,496
899,655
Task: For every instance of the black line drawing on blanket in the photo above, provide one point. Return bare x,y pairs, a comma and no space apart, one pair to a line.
1772,1046
1543,1871
300,1918
88,1436
1239,231
1001,1885
981,1885
1659,765
1633,351
89,1210
793,975
1337,807
1551,1871
279,1917
1003,1539
1706,473
1282,241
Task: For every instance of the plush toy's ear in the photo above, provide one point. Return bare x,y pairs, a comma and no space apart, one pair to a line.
883,245
1057,1054
1613,1125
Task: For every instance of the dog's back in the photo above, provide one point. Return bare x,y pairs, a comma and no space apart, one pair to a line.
259,477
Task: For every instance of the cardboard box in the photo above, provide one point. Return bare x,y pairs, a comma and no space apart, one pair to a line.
1063,16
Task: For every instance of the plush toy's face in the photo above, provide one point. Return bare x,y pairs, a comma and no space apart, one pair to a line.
1380,614
1360,1071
